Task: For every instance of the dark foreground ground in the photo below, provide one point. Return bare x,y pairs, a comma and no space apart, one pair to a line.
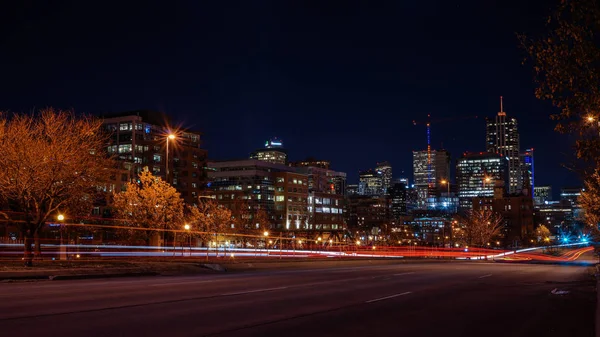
432,299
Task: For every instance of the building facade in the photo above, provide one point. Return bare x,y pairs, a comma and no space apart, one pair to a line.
429,170
528,170
397,196
476,174
299,201
273,152
384,169
370,183
516,210
141,139
502,137
542,195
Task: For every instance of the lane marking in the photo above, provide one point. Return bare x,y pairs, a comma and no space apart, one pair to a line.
412,272
484,276
178,283
388,297
253,291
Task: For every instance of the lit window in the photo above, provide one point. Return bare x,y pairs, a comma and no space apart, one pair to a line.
125,148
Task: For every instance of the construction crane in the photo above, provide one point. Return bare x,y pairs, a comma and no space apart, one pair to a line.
428,123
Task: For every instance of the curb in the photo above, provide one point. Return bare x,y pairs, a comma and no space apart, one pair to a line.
76,276
213,266
96,276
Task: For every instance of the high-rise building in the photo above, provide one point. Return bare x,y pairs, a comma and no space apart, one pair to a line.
273,152
431,174
476,174
542,194
370,182
527,169
502,137
339,183
141,139
385,170
397,195
429,169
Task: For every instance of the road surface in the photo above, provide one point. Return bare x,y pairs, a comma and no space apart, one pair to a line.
429,299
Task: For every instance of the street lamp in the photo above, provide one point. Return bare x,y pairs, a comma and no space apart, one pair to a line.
63,248
169,137
187,228
266,234
590,118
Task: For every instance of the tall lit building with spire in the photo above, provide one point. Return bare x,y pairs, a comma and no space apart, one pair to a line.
502,137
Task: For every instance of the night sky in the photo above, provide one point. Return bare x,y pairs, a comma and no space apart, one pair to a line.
337,80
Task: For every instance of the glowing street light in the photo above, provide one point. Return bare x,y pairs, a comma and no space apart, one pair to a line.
63,248
266,233
187,227
590,118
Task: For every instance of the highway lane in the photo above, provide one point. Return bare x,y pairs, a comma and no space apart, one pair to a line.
454,299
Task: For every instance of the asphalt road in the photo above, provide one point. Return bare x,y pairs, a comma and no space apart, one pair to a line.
431,299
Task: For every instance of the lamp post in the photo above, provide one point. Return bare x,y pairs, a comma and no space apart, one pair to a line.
266,234
63,248
169,137
187,229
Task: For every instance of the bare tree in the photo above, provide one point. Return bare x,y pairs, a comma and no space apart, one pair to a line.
481,226
50,162
149,207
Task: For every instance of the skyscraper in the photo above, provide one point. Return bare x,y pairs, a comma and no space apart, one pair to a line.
477,174
385,170
502,137
397,195
429,173
370,182
527,169
273,152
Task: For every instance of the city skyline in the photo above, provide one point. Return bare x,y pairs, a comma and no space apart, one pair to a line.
357,88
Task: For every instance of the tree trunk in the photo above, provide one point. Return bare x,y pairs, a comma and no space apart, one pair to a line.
38,246
28,253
